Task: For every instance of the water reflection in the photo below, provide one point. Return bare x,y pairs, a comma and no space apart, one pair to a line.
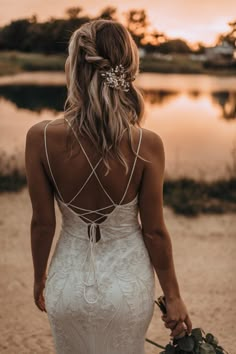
159,97
37,98
195,117
34,97
227,101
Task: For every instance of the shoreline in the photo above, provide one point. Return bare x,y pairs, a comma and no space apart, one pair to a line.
147,81
13,62
185,196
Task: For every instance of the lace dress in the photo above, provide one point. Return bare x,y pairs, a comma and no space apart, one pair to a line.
99,294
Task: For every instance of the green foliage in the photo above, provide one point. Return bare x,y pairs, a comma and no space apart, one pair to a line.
174,46
12,182
196,343
187,344
178,63
189,197
12,178
184,196
108,13
51,36
12,62
229,37
73,12
211,339
197,334
207,348
47,37
169,349
137,24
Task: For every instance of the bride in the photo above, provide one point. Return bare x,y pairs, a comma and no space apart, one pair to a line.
106,174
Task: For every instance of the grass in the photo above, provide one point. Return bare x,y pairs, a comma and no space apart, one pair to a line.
12,62
12,182
15,62
185,196
180,63
189,197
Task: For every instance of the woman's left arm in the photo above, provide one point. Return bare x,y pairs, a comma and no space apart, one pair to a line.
43,220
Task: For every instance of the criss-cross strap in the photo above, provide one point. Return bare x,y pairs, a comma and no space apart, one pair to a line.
133,167
90,164
95,174
48,161
101,212
53,178
84,213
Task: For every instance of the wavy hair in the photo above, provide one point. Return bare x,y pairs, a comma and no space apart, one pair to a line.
95,109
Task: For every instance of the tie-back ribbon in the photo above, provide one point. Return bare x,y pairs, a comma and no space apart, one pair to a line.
91,256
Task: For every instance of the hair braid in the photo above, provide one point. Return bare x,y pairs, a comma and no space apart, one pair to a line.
97,110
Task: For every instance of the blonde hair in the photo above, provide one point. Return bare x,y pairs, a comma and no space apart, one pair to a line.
97,110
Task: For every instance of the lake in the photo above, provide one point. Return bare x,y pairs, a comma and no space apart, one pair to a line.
195,115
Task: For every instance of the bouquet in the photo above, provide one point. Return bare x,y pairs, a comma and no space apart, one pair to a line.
196,343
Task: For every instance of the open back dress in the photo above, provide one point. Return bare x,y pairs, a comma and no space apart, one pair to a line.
99,294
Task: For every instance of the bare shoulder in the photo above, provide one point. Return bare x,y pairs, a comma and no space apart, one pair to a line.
152,144
36,130
35,139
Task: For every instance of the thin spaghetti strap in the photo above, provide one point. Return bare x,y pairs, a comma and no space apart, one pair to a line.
134,164
84,184
90,164
49,166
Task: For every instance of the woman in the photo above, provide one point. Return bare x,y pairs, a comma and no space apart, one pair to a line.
102,169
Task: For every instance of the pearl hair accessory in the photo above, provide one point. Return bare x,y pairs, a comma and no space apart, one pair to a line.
116,78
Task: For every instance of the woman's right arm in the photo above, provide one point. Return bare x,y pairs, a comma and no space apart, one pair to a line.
155,233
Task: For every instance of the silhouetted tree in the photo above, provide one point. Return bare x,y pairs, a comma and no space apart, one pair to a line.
200,48
47,37
137,24
152,40
73,12
108,13
34,18
229,37
52,35
15,35
158,37
174,46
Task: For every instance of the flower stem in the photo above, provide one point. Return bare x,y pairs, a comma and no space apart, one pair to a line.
156,344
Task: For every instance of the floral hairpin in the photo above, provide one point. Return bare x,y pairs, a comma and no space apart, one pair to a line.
116,78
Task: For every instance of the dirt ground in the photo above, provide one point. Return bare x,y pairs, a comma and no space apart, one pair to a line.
204,252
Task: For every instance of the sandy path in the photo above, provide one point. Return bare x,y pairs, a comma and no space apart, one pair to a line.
204,253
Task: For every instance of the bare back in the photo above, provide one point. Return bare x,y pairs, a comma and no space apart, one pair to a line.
79,176
71,169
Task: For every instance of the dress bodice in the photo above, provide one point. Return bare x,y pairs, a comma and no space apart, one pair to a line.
119,224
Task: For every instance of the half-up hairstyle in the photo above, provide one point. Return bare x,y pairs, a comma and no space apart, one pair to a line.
95,109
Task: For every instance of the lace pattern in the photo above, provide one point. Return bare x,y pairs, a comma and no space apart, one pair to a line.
99,296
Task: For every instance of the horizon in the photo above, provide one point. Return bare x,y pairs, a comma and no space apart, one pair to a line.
202,22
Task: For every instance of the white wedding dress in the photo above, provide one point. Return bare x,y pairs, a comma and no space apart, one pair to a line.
99,294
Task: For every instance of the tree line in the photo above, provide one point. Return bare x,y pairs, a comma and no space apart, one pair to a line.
51,36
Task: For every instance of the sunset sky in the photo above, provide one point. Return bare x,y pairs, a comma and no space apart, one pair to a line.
193,20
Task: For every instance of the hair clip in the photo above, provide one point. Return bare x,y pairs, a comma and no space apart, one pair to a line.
116,78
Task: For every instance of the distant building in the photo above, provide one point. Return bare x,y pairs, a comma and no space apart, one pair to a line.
221,52
166,57
198,57
142,52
